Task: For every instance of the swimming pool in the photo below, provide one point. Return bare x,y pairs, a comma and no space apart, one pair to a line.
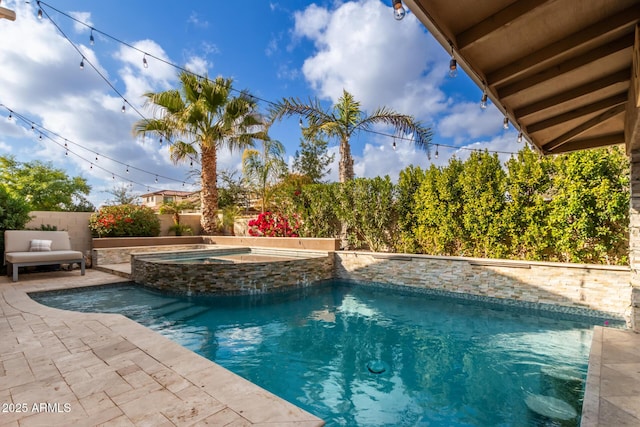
368,356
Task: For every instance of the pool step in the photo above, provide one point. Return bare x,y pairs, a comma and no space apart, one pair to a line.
173,307
190,312
179,310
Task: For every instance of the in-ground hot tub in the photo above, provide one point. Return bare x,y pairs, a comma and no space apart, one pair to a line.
231,271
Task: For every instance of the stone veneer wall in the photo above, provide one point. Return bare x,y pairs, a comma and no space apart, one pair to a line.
234,278
575,286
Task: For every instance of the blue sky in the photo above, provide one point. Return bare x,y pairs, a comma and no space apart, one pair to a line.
273,49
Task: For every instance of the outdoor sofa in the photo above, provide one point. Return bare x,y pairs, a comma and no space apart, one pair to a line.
29,247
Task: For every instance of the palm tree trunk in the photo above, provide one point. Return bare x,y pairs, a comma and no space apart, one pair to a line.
345,166
345,173
209,194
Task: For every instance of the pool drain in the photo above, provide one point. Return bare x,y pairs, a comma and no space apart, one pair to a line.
376,367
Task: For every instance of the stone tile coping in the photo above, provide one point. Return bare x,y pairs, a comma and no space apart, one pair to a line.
61,368
612,393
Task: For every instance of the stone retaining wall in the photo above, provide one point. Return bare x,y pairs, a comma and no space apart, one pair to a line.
300,268
594,287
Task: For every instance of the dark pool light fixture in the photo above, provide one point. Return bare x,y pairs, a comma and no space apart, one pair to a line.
398,10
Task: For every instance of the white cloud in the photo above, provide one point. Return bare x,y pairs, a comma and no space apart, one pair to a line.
83,17
198,65
41,80
382,62
468,121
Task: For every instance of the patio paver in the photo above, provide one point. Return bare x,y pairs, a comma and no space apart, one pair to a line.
61,368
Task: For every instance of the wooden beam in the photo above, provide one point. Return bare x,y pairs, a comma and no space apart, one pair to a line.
584,144
620,20
610,80
7,14
612,101
580,129
600,52
495,21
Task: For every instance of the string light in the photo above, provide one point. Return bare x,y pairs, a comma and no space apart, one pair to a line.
160,140
10,115
199,88
40,137
398,10
39,11
156,179
124,108
145,64
91,39
452,68
33,127
483,100
394,144
127,169
82,63
505,123
436,154
519,137
453,65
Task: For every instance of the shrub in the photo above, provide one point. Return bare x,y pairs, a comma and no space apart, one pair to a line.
14,214
270,224
125,221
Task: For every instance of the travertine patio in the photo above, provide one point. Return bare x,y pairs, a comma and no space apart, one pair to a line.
110,371
59,368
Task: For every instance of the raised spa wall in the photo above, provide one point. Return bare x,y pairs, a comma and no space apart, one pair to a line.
299,268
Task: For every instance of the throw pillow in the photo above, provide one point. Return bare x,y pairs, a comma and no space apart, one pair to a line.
40,246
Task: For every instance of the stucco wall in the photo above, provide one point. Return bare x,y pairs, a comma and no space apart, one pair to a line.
576,286
75,223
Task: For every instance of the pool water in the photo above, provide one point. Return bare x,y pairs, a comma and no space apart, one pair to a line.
358,355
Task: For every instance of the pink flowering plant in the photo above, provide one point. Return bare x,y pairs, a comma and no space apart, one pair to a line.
274,224
124,221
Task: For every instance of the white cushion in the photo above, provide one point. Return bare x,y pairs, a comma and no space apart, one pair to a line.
38,245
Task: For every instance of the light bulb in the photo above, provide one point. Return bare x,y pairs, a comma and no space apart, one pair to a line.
156,179
520,137
505,123
91,39
300,122
91,167
453,67
145,64
398,10
436,151
39,13
82,64
127,168
124,109
394,145
160,140
483,101
33,127
10,116
40,137
199,88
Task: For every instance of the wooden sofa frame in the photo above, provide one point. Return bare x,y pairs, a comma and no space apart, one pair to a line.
17,253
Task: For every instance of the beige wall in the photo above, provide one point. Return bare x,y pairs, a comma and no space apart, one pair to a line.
75,223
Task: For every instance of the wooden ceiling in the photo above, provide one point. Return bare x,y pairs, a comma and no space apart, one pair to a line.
564,71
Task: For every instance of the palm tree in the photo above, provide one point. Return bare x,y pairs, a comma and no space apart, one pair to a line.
344,119
199,119
263,167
